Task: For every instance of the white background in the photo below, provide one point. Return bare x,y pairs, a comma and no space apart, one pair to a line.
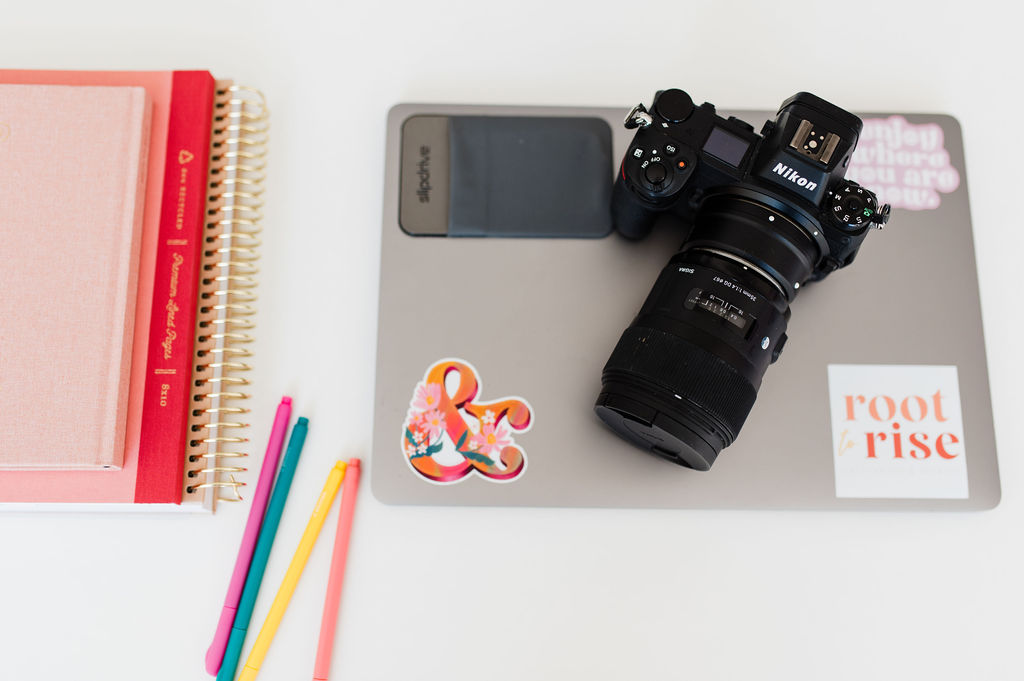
537,593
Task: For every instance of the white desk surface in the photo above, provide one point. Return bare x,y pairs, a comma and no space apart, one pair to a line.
519,594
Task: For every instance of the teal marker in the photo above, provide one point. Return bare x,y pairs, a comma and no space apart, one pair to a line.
262,552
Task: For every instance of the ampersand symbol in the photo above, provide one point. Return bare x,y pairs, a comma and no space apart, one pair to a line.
488,449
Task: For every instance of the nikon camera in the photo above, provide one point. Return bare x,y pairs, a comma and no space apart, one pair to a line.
766,214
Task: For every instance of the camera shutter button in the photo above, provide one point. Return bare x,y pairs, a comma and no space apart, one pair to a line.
655,173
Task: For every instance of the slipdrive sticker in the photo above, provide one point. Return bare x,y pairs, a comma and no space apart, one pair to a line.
897,432
448,434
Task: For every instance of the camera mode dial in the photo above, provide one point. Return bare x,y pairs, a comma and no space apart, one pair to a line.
854,207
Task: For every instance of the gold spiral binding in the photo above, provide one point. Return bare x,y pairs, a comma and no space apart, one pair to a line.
227,290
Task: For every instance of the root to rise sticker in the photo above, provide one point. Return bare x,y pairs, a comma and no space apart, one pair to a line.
897,432
449,434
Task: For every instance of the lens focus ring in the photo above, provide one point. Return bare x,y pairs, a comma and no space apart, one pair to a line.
685,372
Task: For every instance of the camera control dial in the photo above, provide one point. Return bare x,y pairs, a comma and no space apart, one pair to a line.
655,173
674,105
657,167
853,206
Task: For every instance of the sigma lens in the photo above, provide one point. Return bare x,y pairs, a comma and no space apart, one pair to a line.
768,212
683,377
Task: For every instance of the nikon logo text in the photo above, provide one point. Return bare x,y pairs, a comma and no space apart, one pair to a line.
794,177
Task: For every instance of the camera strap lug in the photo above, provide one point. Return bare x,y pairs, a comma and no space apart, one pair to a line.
638,117
881,216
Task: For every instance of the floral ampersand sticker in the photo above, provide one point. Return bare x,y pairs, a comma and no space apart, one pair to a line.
447,435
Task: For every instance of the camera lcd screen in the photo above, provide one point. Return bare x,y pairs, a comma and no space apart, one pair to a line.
726,146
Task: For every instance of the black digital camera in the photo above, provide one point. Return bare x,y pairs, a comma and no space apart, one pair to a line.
767,213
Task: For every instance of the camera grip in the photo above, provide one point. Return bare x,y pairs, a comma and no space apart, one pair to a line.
630,216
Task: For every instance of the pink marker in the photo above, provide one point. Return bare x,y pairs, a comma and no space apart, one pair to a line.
215,655
325,647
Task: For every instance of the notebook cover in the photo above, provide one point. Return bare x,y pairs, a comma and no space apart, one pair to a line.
68,285
109,487
172,334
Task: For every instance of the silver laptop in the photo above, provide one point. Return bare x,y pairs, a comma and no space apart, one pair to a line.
493,333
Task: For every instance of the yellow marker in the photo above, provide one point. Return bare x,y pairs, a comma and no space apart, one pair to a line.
291,578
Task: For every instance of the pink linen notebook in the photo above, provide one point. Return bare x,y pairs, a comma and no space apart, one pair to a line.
72,190
24,487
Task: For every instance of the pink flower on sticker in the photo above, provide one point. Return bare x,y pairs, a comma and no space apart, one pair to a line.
428,396
433,423
491,439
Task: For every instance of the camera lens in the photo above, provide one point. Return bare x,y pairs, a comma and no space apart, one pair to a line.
683,377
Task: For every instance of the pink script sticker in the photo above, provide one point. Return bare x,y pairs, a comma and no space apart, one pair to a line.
905,164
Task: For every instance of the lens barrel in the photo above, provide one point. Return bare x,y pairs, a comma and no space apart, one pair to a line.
664,393
684,376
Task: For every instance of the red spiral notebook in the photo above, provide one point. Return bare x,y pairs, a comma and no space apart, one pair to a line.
191,312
